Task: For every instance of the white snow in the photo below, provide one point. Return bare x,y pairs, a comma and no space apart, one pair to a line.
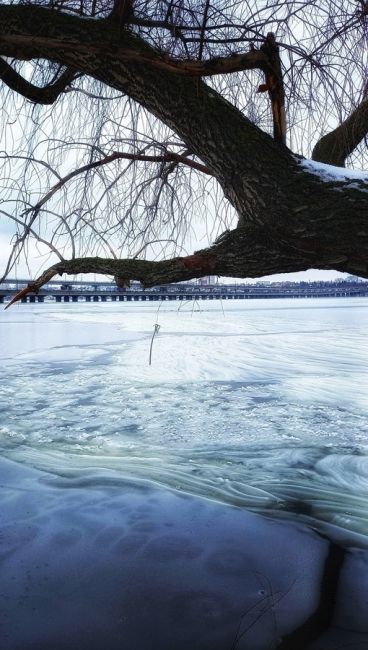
331,173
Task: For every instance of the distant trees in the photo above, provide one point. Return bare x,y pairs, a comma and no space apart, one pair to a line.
127,126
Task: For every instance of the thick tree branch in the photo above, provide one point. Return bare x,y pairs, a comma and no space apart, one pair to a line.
46,95
336,146
46,34
149,273
246,252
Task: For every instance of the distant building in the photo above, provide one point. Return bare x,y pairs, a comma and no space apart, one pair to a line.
208,280
353,278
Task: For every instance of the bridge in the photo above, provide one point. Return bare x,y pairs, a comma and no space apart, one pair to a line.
81,290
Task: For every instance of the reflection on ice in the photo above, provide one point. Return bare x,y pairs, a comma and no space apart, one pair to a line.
141,567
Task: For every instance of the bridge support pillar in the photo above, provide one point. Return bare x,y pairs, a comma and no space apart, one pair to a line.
95,298
41,298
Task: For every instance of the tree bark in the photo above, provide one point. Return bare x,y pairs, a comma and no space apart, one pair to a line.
334,147
289,219
243,252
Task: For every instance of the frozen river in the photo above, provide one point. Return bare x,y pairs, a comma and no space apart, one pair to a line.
260,405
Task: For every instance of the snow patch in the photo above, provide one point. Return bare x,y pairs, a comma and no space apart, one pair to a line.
331,173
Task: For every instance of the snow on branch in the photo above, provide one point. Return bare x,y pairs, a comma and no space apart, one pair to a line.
330,173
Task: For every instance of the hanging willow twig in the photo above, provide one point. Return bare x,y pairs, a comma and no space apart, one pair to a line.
155,331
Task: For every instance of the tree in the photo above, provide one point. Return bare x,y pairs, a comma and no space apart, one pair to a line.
182,107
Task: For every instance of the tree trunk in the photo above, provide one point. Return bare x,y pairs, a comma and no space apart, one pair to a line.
289,218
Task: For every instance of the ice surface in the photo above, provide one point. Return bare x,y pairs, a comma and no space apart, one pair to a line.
142,568
246,403
119,479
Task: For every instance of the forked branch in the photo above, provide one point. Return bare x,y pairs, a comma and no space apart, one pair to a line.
336,146
46,95
168,157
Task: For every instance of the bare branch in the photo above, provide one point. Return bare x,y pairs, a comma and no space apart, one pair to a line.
32,232
46,95
203,29
34,46
275,87
252,60
336,146
118,155
122,11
